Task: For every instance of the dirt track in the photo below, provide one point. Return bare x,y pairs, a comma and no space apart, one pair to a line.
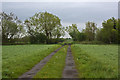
69,70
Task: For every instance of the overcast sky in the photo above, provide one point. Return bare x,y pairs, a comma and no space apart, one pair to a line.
69,12
59,0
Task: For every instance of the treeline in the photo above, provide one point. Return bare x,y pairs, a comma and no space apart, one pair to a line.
44,27
109,33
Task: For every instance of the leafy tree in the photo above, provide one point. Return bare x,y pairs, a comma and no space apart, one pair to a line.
38,38
11,26
109,32
90,30
0,35
81,36
118,28
73,31
46,23
58,32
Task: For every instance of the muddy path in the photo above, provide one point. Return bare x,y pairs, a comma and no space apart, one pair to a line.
31,73
69,69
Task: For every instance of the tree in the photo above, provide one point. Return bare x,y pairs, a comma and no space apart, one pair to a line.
109,32
73,31
0,35
11,26
81,36
118,28
46,23
90,30
58,32
38,38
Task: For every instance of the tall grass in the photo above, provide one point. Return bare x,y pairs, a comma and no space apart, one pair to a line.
96,61
18,59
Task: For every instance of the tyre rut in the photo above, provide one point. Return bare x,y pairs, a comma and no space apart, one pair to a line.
69,69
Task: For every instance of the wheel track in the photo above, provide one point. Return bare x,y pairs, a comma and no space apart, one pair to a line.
69,71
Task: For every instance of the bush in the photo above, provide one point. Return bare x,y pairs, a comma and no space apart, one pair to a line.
38,38
81,36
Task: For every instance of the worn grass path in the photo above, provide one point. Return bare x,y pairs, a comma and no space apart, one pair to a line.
31,73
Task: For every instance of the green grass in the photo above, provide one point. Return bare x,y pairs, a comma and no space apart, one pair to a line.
0,62
69,41
54,68
96,61
18,59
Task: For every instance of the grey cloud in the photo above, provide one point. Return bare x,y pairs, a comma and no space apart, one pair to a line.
68,12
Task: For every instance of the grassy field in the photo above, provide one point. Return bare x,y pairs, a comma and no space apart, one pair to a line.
54,68
96,61
17,59
92,61
0,62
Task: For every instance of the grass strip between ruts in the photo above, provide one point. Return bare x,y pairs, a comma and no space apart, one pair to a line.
54,67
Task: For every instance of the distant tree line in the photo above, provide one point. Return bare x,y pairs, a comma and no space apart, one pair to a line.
109,33
44,27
